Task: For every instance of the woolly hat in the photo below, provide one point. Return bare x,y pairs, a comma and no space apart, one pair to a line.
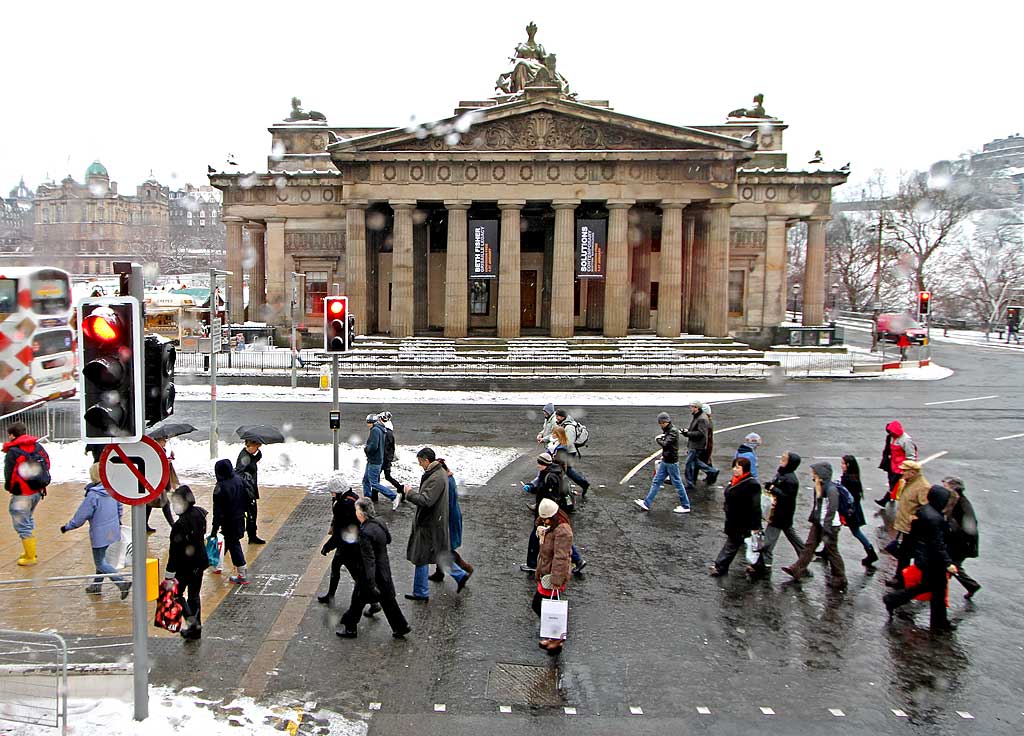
547,508
753,439
664,417
545,458
549,409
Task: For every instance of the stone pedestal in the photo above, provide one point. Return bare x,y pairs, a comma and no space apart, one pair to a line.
814,272
616,290
509,278
717,320
236,281
402,270
670,279
355,262
563,275
456,284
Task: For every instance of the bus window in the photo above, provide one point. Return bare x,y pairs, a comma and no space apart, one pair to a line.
51,342
8,296
51,293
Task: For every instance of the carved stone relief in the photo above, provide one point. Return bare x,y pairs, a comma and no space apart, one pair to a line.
299,242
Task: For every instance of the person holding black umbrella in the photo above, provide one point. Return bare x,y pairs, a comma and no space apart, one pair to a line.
246,468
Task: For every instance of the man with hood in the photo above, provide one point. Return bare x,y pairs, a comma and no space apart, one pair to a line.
247,470
374,451
913,496
825,526
962,541
698,434
932,557
668,467
386,419
103,512
898,447
544,436
783,490
230,500
186,558
748,449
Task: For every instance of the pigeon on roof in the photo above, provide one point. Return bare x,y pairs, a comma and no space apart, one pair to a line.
845,167
210,169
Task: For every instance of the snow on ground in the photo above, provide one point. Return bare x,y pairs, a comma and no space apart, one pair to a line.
173,713
299,463
386,397
930,372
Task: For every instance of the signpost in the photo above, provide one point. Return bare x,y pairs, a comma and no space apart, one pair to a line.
134,472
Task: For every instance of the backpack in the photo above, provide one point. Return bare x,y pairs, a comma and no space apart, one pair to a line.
32,467
847,506
582,434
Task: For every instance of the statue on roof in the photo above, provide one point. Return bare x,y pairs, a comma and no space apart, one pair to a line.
298,114
757,111
532,67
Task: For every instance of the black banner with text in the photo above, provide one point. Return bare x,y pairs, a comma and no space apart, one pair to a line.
483,249
591,248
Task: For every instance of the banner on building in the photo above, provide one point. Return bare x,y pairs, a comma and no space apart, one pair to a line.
591,248
483,249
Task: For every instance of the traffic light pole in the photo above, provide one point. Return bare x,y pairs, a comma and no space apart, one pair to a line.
295,298
215,336
334,403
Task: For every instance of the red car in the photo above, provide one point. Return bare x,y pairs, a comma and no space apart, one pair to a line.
892,326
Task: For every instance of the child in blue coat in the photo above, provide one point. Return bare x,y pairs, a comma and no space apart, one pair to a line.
104,516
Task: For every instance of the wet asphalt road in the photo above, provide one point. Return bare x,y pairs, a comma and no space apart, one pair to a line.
648,627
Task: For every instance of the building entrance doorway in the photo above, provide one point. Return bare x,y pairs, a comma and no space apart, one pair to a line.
528,298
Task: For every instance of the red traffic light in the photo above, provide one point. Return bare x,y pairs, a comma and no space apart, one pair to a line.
335,307
925,295
102,327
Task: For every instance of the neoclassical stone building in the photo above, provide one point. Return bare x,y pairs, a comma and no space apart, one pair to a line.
529,213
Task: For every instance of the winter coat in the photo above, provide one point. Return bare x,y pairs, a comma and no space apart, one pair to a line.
669,441
375,442
548,428
569,425
784,488
856,489
913,496
230,499
550,483
429,535
245,467
103,512
929,530
374,539
825,511
343,524
389,446
899,447
963,531
187,554
454,515
698,432
750,454
14,451
555,556
742,507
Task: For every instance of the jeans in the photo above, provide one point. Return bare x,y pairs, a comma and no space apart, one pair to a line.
371,482
99,558
421,582
21,514
859,536
771,537
577,477
695,464
671,471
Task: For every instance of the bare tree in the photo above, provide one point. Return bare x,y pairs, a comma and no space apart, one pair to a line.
988,268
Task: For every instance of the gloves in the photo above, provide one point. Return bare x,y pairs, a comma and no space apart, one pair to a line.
63,530
527,488
545,581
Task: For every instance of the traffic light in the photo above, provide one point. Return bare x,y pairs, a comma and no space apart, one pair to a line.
336,333
110,382
160,359
924,299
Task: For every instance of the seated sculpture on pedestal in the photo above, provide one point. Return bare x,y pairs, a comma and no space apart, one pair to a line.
757,111
532,67
298,114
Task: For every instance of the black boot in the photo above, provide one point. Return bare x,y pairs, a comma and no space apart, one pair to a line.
871,558
326,598
437,576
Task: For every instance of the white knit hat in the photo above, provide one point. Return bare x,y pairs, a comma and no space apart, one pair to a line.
547,508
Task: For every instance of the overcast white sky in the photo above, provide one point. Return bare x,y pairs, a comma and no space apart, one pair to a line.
172,86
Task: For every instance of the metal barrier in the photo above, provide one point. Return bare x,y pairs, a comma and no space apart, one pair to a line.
47,420
34,416
34,679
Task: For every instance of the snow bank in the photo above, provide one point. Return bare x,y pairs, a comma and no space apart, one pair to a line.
930,372
182,713
298,463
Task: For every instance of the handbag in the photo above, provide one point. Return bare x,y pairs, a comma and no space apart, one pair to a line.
754,544
554,617
168,607
117,554
912,577
214,548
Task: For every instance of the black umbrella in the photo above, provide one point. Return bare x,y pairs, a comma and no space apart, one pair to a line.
171,429
262,433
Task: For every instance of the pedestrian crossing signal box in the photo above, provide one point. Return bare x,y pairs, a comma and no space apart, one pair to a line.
335,420
336,324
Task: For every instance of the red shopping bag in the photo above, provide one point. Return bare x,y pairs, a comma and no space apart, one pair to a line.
912,576
168,607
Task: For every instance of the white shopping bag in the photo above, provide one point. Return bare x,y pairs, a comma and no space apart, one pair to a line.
119,553
554,618
754,544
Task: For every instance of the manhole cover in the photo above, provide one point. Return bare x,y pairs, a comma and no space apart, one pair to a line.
280,586
523,685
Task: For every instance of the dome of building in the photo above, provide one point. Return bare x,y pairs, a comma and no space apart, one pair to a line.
96,169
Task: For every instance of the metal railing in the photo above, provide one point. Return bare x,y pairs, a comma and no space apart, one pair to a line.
47,420
34,679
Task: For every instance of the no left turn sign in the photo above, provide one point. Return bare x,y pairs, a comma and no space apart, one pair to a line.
134,472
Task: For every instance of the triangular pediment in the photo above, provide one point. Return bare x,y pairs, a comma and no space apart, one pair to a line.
543,125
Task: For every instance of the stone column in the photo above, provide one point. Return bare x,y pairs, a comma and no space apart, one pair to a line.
355,262
420,268
717,319
235,258
456,282
640,276
258,273
509,278
277,273
814,272
698,304
402,269
670,278
616,285
687,280
563,273
775,271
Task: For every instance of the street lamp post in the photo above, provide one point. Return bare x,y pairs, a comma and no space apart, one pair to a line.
796,294
295,298
215,340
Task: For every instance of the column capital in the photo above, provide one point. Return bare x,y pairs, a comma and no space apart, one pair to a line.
255,226
511,204
232,219
565,204
674,203
723,202
355,204
402,204
619,204
458,204
275,220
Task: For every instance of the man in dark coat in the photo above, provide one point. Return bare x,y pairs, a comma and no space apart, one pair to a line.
668,467
245,467
928,531
230,499
963,534
375,584
429,543
783,489
742,514
825,526
343,540
186,557
697,435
